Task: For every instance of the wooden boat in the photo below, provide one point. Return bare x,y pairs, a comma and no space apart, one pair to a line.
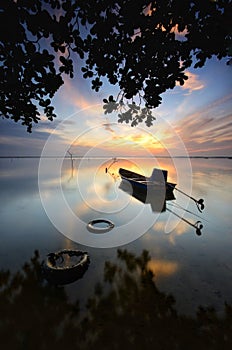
156,191
158,179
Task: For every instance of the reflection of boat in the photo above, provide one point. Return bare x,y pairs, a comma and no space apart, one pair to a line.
156,191
65,266
156,180
155,195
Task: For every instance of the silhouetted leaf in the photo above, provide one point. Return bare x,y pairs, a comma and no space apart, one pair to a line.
133,44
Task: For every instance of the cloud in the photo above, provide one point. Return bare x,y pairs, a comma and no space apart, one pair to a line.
77,93
193,83
18,146
16,141
108,127
208,130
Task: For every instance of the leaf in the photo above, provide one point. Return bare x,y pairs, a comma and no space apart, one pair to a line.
62,49
63,60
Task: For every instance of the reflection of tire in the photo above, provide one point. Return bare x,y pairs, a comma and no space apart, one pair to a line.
55,271
95,229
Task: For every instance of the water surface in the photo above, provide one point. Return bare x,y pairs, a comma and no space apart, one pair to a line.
196,270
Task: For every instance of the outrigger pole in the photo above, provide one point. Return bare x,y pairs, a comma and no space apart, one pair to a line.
71,159
199,202
198,225
114,161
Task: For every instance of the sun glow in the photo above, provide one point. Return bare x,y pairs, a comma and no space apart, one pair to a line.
123,140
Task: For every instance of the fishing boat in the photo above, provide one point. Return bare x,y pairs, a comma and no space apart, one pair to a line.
156,191
158,179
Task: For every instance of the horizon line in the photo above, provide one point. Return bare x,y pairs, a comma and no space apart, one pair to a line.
110,157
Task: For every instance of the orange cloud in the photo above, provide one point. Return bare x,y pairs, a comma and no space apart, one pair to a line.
193,83
73,94
163,268
141,142
208,129
124,140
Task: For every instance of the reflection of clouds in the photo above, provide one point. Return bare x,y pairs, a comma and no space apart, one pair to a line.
180,227
84,207
100,189
56,181
98,192
212,180
81,209
97,189
159,226
18,181
163,268
98,202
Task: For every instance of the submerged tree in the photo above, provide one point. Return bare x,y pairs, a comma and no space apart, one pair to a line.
143,47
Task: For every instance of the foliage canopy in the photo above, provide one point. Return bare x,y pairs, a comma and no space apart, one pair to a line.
144,47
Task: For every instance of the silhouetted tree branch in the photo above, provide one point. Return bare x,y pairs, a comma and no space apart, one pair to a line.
143,47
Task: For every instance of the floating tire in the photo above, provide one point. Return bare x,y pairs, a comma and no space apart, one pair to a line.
56,272
93,226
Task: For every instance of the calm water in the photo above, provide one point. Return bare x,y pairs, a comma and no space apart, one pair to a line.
194,269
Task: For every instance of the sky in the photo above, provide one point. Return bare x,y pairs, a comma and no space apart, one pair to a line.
193,120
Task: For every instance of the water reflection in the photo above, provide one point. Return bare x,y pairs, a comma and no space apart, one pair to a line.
131,313
196,270
158,196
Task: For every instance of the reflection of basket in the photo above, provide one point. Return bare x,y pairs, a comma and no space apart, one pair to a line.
65,266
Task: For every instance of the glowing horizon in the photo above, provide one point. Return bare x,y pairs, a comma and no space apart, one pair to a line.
197,114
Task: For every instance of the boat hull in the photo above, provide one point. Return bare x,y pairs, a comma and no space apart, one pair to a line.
146,184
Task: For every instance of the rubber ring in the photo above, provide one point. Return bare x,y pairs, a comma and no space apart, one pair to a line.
92,228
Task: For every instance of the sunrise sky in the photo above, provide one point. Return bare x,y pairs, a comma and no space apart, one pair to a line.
194,120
